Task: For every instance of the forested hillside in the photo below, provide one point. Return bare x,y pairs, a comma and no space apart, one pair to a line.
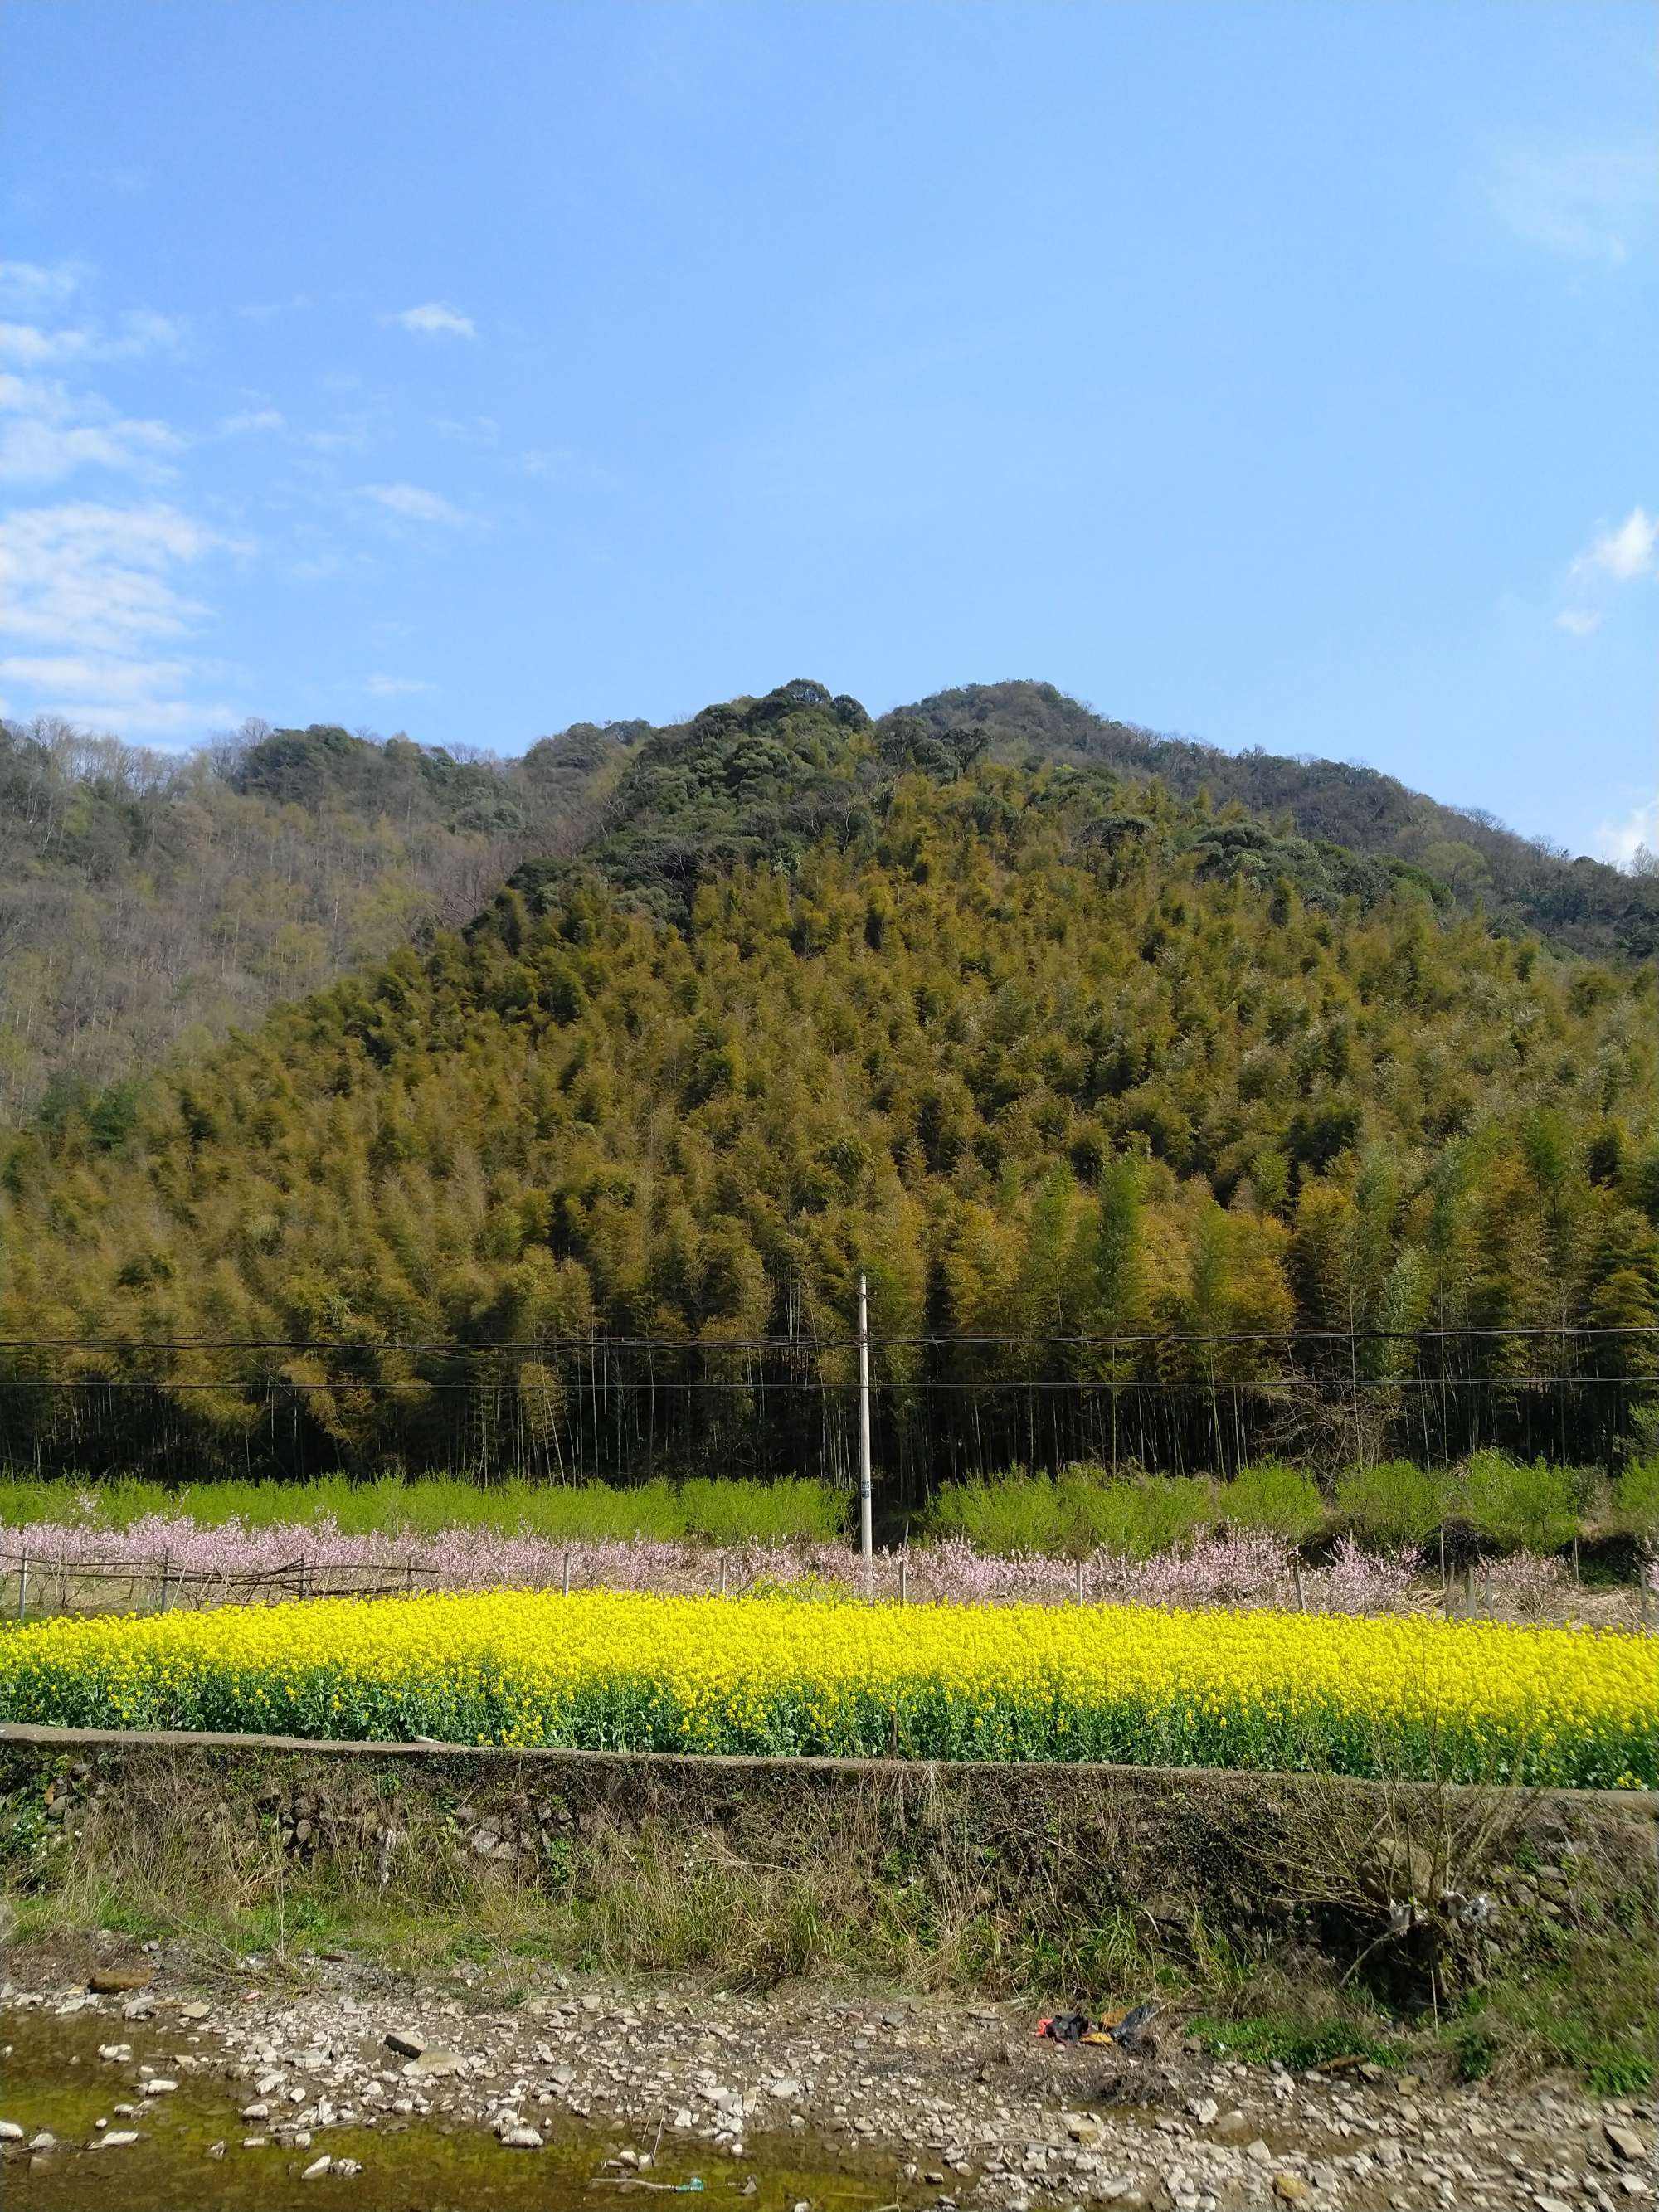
1519,884
148,901
1045,1050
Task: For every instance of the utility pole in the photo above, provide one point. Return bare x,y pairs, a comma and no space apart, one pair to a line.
867,1535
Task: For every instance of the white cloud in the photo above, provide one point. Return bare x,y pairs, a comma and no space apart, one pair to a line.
395,687
1622,841
69,673
1624,553
47,433
1594,205
1579,622
434,320
99,578
264,311
141,331
32,287
88,593
252,419
114,698
412,503
470,430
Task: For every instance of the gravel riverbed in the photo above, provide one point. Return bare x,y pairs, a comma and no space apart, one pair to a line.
942,2103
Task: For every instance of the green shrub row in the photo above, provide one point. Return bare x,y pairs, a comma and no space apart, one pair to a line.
718,1512
1386,1507
1392,1505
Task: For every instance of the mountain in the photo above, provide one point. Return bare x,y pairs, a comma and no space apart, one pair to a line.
1043,1048
149,902
1519,884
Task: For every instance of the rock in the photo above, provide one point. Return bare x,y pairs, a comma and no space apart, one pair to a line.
44,2141
1203,2110
158,2086
522,2138
11,2132
317,2168
117,1981
1290,2189
406,2043
432,2063
114,2138
198,2010
1624,2142
216,2149
260,2111
348,2165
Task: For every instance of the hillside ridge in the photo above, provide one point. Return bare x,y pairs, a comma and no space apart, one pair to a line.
1045,1051
150,903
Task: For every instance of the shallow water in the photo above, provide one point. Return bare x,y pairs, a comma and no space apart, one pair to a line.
51,2078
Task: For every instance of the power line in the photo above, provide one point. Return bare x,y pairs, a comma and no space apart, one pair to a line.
601,1387
596,1348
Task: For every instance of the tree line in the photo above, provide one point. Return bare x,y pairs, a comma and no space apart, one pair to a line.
1148,1151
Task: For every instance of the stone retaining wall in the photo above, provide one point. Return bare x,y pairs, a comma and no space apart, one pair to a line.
1419,1879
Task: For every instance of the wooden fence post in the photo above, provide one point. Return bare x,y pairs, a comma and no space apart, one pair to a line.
904,1579
1301,1594
23,1584
567,1572
722,1574
1079,1582
167,1578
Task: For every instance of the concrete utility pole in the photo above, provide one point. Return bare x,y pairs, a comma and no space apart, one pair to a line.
866,1533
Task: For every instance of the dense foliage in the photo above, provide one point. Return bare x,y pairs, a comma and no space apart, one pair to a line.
1519,884
787,1676
1042,1052
148,901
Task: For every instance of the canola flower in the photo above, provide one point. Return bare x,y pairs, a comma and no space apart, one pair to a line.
781,1675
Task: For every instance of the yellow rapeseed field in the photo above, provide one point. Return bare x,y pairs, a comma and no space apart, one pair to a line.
786,1675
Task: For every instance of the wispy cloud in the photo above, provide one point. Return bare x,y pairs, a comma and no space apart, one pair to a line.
1623,841
92,590
1589,205
413,503
395,687
1625,552
33,287
251,420
86,576
141,330
434,319
468,430
1579,622
1620,553
47,433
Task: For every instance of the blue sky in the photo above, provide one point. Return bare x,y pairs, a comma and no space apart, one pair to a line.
1282,375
